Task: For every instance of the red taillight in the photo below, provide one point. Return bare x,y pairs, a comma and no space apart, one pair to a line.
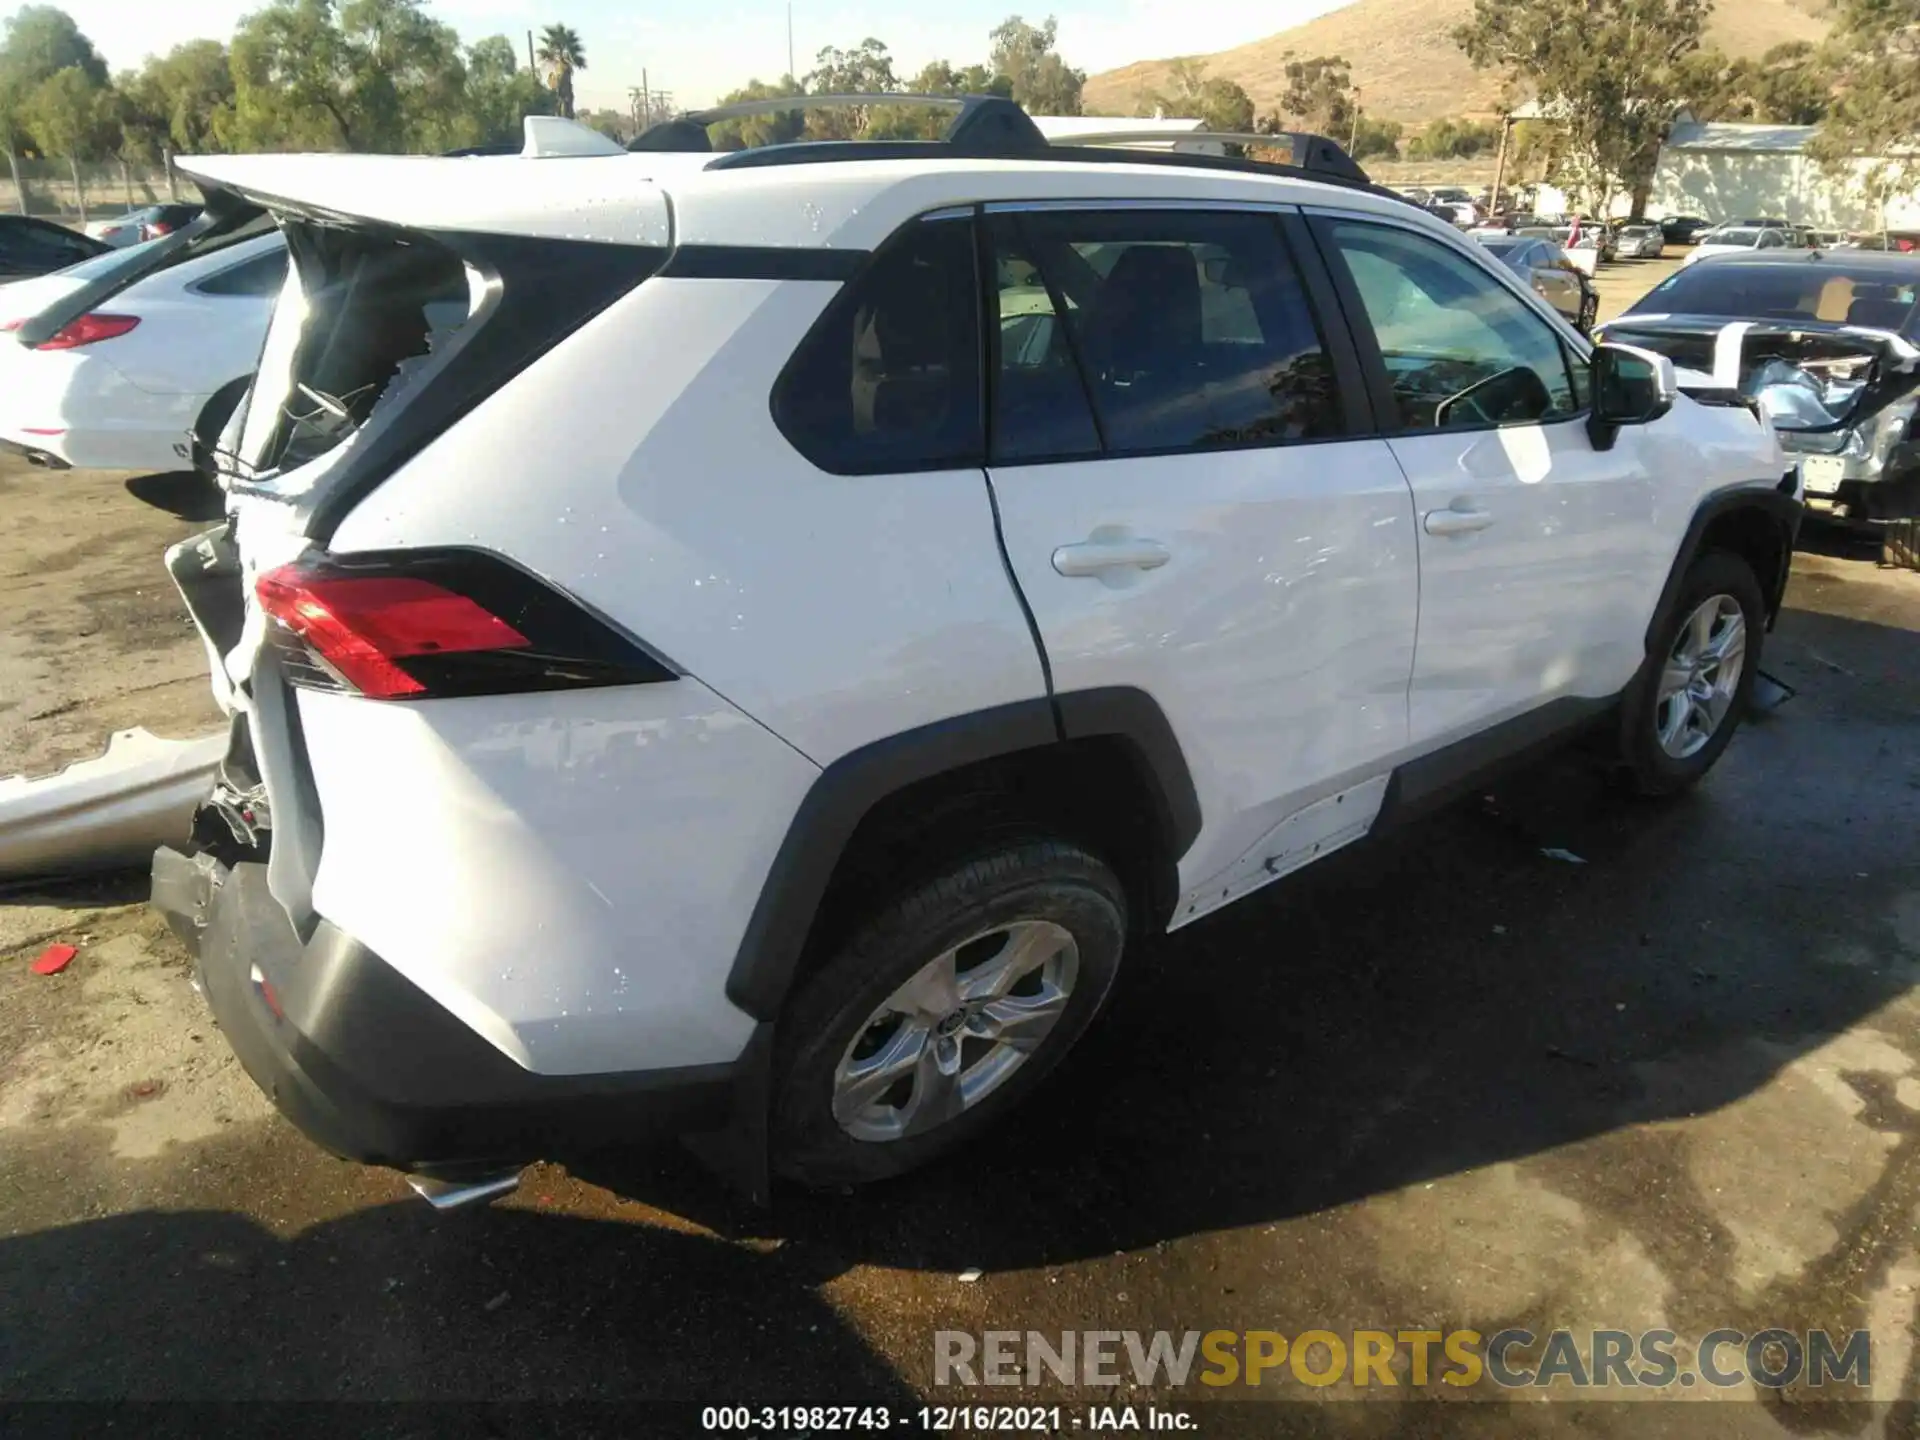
89,330
361,626
155,229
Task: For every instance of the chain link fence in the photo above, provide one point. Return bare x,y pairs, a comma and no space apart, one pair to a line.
91,189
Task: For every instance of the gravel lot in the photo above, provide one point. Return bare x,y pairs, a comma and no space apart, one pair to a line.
1440,1080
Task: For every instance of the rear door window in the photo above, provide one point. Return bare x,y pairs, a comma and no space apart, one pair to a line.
1191,330
889,378
1041,409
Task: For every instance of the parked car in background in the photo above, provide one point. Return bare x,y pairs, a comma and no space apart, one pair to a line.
1461,214
148,382
1546,267
1736,240
1587,234
1828,239
1515,222
1887,240
30,246
1832,356
1641,242
148,223
1684,229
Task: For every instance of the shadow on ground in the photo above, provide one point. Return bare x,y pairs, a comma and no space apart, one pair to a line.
1446,998
390,1301
184,494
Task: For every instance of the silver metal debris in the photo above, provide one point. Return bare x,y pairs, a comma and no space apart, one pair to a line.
109,811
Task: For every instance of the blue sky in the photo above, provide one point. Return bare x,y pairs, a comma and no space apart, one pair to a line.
701,48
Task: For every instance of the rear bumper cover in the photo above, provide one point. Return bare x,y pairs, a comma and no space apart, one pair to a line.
371,1068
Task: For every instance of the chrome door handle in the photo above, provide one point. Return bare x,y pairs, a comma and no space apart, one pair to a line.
1097,557
1457,522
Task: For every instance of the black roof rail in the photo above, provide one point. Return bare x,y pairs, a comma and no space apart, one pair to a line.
982,125
993,127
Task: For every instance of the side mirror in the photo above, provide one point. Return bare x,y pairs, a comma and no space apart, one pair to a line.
1631,386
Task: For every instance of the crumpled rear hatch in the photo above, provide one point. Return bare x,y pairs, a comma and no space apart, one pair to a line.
417,288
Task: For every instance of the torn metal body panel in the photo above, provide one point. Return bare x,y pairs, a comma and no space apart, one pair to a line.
110,811
1843,399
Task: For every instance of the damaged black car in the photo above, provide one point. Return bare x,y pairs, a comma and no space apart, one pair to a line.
1826,343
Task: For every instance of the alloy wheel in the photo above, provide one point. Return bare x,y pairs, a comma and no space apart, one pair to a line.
1701,677
955,1031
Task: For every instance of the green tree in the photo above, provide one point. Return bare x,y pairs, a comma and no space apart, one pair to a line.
1319,96
562,53
376,75
1867,137
293,81
499,94
780,128
68,114
1191,94
1042,82
1609,72
1377,137
40,42
867,69
183,101
1791,84
1453,140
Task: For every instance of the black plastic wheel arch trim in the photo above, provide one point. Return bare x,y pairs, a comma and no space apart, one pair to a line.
846,790
1777,504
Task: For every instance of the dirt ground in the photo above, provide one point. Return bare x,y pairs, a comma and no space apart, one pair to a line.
1441,1080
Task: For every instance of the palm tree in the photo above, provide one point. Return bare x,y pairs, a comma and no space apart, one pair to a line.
562,53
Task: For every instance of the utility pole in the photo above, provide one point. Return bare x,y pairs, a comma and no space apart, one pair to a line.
1500,164
790,74
1353,139
646,100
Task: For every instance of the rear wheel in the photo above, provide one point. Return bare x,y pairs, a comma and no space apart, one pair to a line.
944,1010
1682,709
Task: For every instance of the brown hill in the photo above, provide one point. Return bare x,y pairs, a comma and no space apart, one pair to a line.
1405,63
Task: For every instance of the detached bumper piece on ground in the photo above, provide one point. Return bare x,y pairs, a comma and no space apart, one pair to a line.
106,812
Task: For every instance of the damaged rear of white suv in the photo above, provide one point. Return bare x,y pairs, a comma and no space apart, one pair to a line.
735,644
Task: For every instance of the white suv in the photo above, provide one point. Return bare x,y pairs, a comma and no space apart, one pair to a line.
742,642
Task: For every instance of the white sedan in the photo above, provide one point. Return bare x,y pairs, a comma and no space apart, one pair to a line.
1737,240
149,381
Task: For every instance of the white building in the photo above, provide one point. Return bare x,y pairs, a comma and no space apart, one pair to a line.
1728,172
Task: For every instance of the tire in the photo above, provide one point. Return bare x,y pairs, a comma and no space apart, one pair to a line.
1032,896
1663,758
214,416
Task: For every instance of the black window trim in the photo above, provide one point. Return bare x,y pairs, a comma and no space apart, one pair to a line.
1379,381
198,287
987,281
1359,421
